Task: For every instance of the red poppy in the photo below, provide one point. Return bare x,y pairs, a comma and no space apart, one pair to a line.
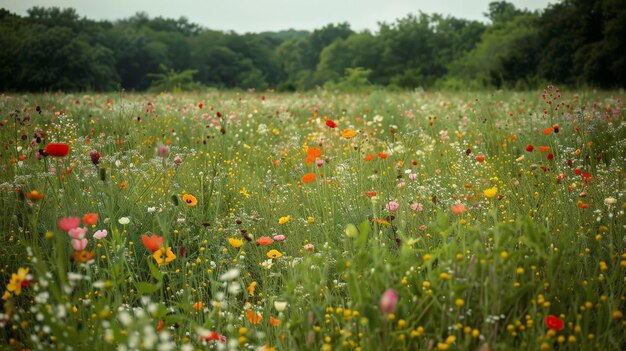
548,131
544,148
554,322
331,124
382,155
530,148
369,193
480,158
550,157
213,336
57,149
152,242
90,218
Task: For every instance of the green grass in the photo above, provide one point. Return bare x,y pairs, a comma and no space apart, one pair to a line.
542,233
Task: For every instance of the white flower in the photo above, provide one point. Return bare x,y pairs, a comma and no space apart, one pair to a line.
151,209
231,274
123,220
280,305
610,201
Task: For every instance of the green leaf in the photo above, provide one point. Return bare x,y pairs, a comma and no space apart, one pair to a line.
364,230
154,270
146,288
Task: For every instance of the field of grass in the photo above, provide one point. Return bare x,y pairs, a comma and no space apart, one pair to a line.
315,221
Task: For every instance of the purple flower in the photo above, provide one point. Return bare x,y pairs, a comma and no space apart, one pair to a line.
95,157
388,301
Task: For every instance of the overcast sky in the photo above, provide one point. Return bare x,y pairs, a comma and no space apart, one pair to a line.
273,15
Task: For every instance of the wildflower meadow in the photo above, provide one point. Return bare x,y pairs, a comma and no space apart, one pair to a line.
313,221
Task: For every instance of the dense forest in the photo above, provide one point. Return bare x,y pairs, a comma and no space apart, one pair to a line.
571,43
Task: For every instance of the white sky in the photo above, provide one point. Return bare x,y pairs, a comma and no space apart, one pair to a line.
273,15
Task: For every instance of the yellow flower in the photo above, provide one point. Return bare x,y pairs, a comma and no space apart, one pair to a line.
310,219
15,285
491,192
190,200
251,288
169,256
236,243
284,220
348,133
274,254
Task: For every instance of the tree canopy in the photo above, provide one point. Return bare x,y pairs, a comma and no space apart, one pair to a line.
571,42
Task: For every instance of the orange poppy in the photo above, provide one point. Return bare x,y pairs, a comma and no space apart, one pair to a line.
274,322
264,240
312,154
34,195
308,178
254,317
83,256
548,130
348,133
369,157
369,193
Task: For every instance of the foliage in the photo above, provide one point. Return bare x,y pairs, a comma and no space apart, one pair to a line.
574,42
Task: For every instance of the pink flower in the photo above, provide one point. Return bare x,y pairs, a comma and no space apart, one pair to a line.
392,206
79,244
67,223
416,206
413,176
100,234
309,247
319,163
279,237
388,301
77,233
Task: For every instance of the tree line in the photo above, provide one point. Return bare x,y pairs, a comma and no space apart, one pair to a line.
572,42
